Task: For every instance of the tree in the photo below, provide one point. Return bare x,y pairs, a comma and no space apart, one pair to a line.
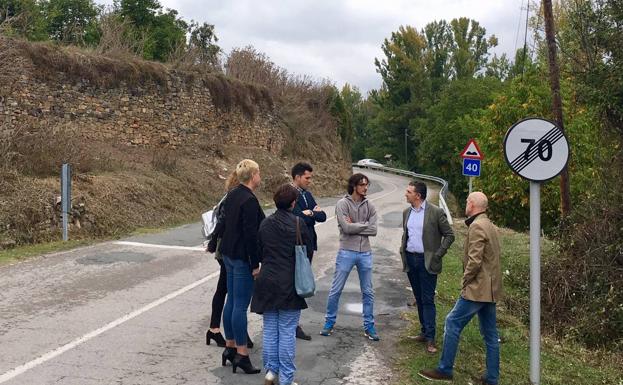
403,96
438,53
202,42
142,13
162,31
165,34
357,108
23,18
470,47
72,21
445,132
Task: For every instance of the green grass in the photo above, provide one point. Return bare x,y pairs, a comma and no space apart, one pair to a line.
28,251
23,252
562,362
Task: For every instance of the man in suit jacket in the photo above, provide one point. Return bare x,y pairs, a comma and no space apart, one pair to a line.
481,289
426,237
308,210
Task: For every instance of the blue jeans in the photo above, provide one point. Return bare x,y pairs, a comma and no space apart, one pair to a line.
280,343
344,263
463,311
239,292
423,284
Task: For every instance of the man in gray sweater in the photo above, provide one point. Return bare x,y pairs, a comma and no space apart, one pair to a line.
356,219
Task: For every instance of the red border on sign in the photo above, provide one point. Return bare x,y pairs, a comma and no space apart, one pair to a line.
463,155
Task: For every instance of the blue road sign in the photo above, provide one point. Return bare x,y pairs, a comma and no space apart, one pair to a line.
471,167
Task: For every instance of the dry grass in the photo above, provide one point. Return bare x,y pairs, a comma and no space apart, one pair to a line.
228,92
40,149
302,103
117,38
102,71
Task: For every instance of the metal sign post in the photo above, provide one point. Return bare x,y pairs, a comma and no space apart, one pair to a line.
535,282
65,198
537,150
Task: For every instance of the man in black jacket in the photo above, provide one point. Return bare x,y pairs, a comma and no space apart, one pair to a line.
308,210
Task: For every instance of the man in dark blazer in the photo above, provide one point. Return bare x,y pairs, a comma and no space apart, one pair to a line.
307,209
426,237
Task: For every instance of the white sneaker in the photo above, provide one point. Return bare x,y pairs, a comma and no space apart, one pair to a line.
269,378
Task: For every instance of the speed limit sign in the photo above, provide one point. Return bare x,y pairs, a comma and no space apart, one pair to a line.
536,149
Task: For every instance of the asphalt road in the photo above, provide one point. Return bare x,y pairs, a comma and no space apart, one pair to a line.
136,311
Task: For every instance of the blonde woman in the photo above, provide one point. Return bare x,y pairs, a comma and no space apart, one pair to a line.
239,249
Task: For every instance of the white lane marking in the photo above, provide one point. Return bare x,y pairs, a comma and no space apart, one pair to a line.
58,351
171,247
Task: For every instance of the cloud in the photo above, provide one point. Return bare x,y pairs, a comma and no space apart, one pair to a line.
339,39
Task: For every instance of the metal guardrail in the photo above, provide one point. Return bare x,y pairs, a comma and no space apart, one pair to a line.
443,192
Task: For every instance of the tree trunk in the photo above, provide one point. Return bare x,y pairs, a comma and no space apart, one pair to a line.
554,78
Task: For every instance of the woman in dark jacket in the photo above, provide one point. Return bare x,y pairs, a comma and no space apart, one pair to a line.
275,295
239,248
218,300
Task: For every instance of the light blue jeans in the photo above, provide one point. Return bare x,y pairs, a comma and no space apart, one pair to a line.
344,263
463,311
280,343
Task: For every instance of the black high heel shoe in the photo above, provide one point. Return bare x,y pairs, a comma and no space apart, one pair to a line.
244,363
249,342
217,337
229,354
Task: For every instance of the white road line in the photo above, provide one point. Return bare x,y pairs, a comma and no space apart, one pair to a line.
58,351
171,247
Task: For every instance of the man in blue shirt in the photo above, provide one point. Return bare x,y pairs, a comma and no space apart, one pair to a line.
306,208
427,235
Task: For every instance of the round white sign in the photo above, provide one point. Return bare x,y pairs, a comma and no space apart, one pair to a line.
536,149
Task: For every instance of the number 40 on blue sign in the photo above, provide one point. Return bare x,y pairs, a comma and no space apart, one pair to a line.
471,167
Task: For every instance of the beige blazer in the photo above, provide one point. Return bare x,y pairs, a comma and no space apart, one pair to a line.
437,236
482,272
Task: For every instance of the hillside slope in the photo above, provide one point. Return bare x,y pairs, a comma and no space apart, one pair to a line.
149,145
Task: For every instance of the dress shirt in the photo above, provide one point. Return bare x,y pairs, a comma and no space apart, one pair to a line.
415,228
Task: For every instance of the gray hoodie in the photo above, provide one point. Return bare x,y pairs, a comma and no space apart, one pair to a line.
354,236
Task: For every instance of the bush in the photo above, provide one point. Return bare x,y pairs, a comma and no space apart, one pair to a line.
584,299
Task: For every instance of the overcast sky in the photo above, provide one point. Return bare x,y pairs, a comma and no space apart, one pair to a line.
339,39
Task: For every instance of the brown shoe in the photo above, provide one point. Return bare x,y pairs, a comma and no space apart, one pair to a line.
483,381
434,375
431,348
420,338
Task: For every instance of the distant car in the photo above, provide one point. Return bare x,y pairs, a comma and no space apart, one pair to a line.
368,162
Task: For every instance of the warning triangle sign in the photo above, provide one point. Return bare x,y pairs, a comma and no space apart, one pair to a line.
471,150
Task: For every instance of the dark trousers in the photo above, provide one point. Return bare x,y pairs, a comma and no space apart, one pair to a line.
423,284
218,301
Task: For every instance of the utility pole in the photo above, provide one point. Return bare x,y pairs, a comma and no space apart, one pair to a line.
554,79
525,42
